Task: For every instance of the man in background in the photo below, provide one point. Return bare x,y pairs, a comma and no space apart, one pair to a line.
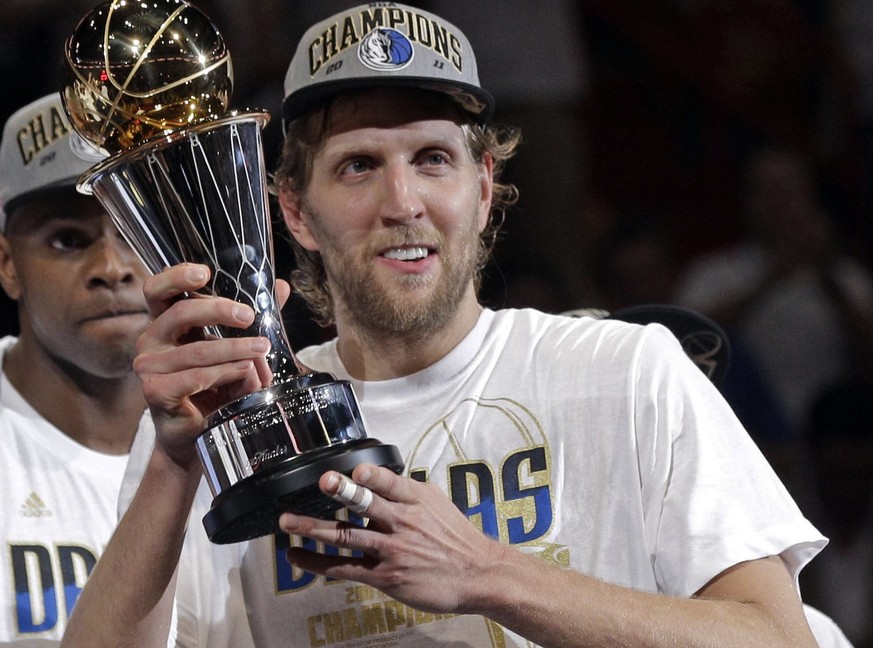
70,403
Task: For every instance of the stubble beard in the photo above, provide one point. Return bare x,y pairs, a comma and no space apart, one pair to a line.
405,308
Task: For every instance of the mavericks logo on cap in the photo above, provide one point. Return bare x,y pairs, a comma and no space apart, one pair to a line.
385,49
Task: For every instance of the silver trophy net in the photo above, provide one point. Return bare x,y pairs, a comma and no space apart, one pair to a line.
199,195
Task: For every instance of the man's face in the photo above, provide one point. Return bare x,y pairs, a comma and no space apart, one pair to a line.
395,205
77,283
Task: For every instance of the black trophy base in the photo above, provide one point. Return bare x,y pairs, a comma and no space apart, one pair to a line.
251,508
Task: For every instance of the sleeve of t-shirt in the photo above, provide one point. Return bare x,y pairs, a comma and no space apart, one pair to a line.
209,603
712,499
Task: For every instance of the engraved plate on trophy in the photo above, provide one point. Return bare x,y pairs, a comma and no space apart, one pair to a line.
148,86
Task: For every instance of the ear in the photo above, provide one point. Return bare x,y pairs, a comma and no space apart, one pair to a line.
486,188
8,275
296,219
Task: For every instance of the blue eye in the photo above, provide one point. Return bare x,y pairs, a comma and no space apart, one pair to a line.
435,158
356,166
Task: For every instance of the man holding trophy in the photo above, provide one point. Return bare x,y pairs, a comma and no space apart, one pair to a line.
564,481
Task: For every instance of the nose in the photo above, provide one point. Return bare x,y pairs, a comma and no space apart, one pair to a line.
112,262
402,201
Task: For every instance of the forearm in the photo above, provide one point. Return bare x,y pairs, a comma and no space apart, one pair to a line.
418,548
127,601
561,608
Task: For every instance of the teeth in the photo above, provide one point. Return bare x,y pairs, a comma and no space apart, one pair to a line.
406,254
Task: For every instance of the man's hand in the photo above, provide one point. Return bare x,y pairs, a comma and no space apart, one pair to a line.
185,374
418,547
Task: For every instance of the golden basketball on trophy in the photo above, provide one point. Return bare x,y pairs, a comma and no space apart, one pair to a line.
137,71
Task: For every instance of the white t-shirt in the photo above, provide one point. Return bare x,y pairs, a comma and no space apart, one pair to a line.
827,633
58,511
589,443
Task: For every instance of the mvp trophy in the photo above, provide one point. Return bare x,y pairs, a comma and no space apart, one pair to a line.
148,85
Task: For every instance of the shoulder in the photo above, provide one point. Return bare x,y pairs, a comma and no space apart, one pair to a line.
6,343
534,324
585,339
574,328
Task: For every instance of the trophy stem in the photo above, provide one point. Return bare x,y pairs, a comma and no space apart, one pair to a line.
199,195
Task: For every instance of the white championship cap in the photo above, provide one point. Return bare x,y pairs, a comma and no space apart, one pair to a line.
393,45
36,154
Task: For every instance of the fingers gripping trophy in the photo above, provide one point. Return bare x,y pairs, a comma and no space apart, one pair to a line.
148,85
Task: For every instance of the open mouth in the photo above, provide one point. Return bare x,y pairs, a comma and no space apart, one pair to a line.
415,253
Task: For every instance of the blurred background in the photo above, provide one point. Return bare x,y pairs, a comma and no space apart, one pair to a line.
711,154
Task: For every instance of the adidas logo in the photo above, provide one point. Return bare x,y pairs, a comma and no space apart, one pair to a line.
34,507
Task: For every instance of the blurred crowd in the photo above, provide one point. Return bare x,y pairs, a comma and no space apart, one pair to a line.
716,155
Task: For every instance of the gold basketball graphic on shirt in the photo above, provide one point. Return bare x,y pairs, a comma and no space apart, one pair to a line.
510,496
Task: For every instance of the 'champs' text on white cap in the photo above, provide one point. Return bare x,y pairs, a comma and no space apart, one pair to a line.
36,155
